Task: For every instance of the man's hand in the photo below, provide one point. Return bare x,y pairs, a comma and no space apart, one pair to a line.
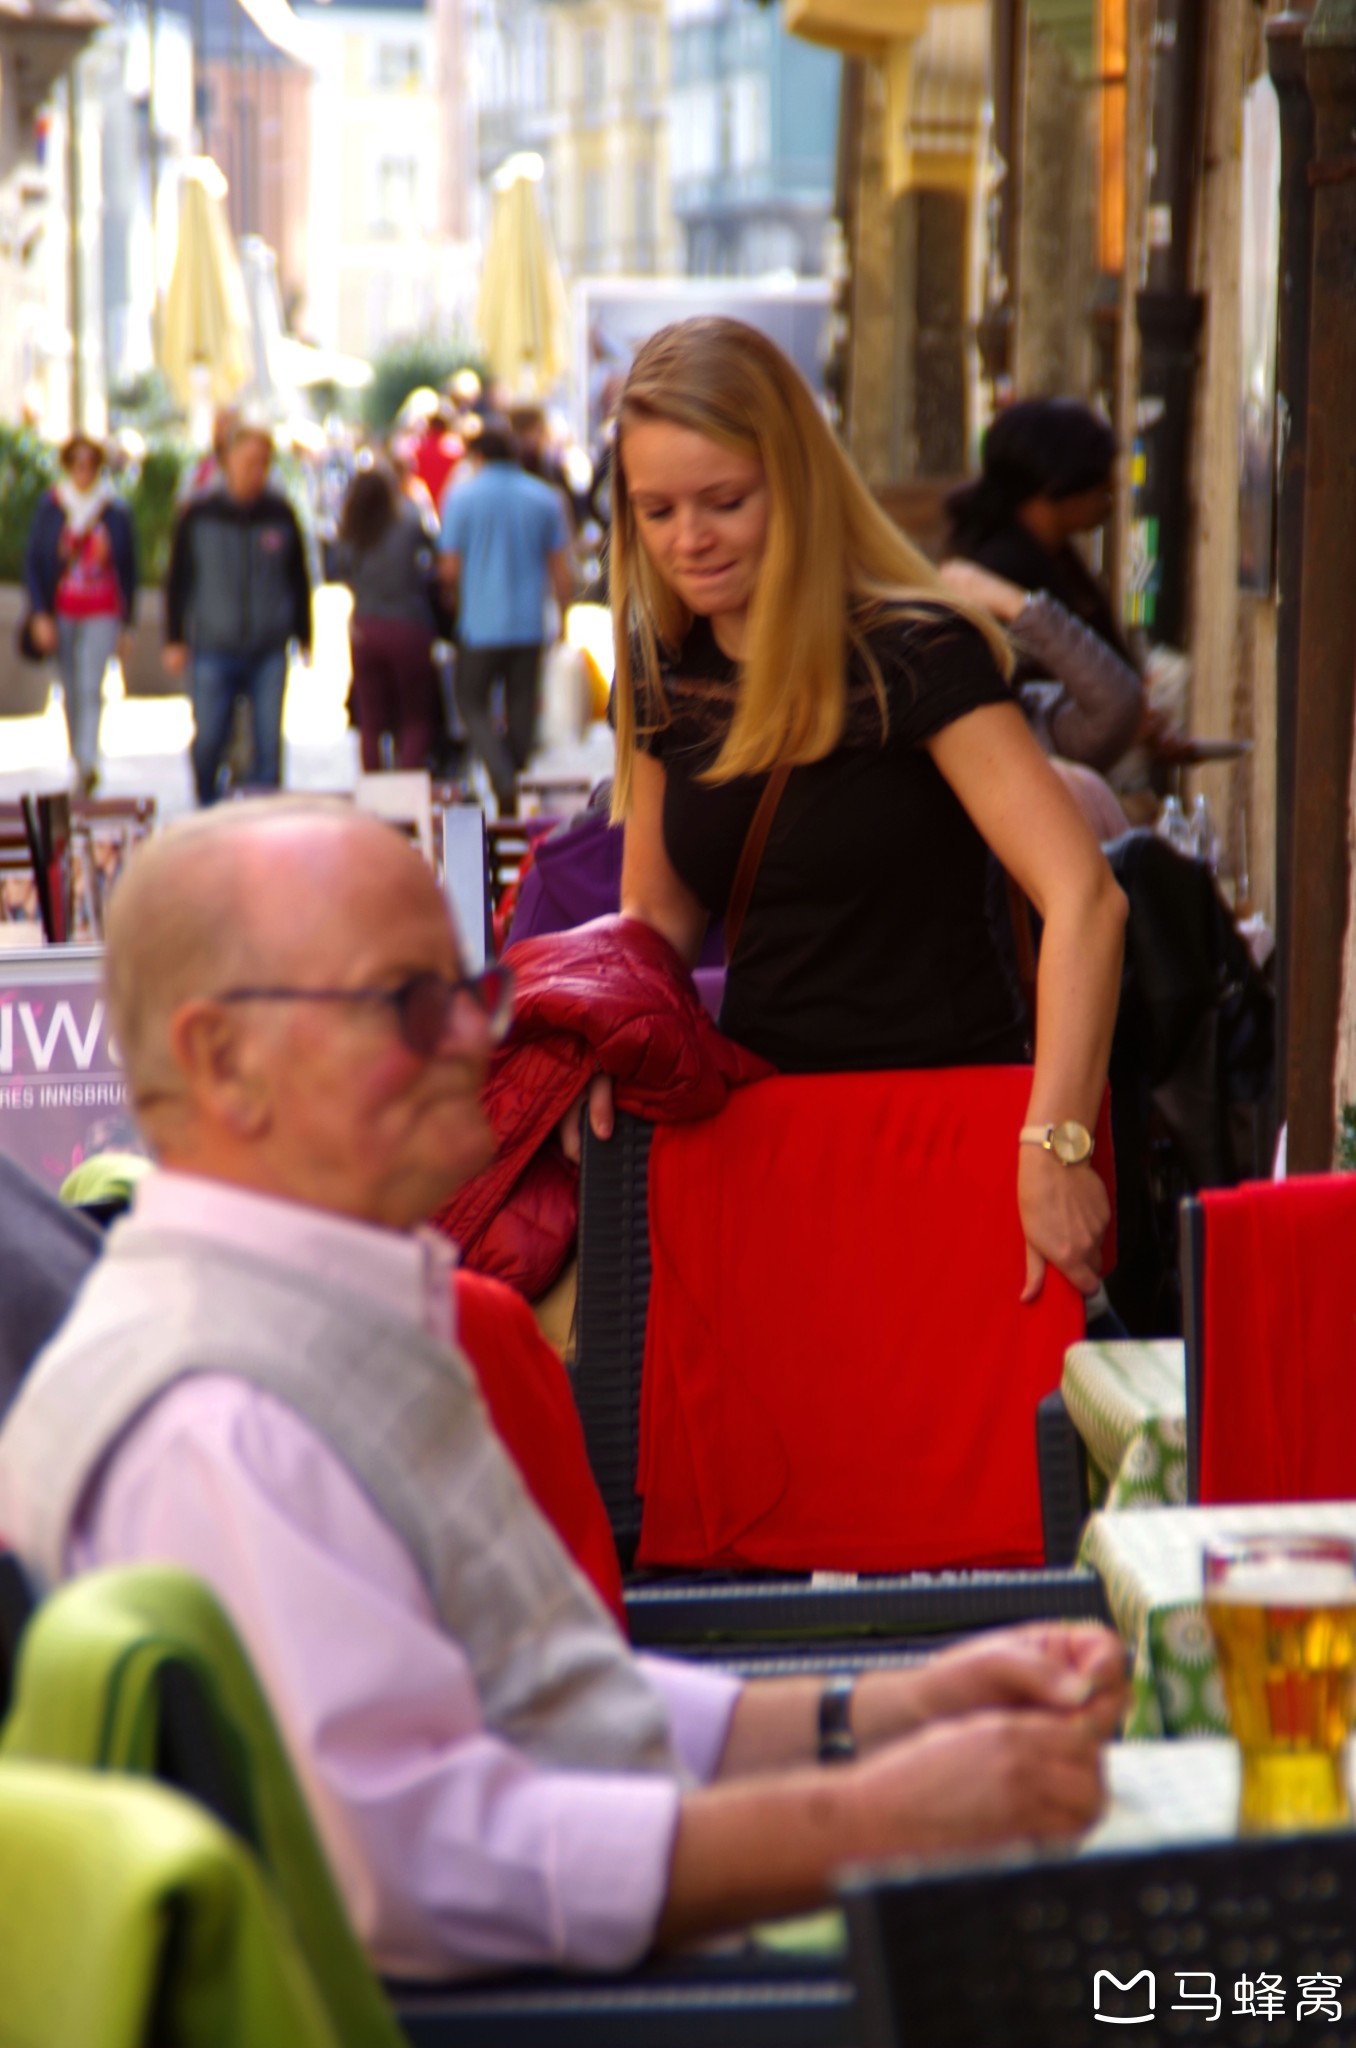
988,1778
1053,1667
175,658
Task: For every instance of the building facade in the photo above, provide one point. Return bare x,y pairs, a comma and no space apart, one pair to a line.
753,118
382,261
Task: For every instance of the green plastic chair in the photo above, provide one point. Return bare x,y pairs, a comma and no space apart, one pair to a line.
138,1670
128,1917
96,1664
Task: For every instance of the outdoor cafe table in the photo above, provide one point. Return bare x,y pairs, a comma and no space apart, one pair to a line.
1150,1565
1127,1400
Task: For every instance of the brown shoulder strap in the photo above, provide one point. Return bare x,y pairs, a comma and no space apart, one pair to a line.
750,858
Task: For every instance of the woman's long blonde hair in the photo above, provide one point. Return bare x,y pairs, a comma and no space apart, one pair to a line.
832,556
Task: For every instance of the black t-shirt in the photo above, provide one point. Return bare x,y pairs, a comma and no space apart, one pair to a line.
866,943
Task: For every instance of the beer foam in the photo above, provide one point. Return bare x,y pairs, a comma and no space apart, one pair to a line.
1285,1582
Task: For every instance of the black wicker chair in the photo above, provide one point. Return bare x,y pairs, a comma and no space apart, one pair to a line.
614,1287
1049,1954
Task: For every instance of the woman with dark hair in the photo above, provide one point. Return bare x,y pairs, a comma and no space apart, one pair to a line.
1045,476
81,572
386,555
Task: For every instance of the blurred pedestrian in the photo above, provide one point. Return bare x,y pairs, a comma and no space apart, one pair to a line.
435,443
208,472
505,548
238,596
80,569
386,554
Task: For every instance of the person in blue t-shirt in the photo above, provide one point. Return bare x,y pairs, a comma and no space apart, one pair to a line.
505,545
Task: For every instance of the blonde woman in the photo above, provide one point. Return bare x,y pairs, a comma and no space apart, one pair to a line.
768,616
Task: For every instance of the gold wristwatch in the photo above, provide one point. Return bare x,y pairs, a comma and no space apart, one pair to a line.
1070,1142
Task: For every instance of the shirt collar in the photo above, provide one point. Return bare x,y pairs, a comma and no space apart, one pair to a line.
406,1272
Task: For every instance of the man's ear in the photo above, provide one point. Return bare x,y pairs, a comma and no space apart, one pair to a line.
220,1059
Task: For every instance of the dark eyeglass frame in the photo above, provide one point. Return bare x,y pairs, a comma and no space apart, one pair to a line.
491,991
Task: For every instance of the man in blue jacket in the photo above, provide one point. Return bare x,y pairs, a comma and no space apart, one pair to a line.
239,594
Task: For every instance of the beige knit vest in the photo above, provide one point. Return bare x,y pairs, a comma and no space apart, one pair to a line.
402,1412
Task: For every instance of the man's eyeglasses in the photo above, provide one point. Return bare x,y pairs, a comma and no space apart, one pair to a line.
427,1007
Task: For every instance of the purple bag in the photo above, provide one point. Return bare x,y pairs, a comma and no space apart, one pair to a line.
576,876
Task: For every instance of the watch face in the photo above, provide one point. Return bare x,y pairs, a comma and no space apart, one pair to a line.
1071,1143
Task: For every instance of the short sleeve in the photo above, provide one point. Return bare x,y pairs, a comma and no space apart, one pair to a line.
935,669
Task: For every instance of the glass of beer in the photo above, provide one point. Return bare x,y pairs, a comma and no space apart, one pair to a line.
1282,1612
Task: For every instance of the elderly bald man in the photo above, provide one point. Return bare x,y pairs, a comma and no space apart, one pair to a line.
259,1381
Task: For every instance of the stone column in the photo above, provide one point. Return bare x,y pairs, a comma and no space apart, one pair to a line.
1323,972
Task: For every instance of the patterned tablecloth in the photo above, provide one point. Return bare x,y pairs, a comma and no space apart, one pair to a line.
1128,1403
1151,1568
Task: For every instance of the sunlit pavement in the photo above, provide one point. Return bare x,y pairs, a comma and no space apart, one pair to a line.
143,741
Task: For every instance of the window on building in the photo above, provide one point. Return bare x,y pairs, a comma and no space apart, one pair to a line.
398,67
593,71
645,52
725,128
538,59
395,201
595,219
643,217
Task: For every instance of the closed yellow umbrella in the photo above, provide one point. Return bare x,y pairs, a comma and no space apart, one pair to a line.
205,347
522,318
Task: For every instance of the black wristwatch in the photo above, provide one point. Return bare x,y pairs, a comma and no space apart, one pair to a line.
837,1744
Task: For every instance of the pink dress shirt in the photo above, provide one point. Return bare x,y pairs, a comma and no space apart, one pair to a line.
454,1852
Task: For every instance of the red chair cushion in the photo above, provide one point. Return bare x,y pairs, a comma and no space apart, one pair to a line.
528,1395
838,1372
1278,1408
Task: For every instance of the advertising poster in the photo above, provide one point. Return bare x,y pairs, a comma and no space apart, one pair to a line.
62,1092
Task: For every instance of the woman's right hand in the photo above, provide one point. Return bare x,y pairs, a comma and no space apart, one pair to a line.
570,1130
44,630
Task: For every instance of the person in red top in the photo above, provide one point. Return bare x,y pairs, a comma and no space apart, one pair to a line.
428,427
80,570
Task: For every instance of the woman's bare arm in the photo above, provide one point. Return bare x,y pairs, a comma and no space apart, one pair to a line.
650,889
1035,828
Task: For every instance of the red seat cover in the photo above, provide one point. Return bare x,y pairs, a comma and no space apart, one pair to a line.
838,1372
1278,1409
528,1395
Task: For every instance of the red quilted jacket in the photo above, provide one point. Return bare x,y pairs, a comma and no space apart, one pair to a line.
611,997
